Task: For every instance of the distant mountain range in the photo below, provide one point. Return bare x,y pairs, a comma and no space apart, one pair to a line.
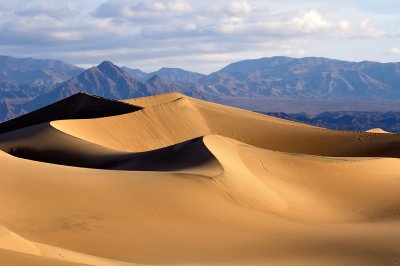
109,81
23,79
35,71
172,74
311,77
347,120
28,84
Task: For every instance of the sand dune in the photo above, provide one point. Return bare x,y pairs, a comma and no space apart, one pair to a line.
186,182
377,130
78,106
187,118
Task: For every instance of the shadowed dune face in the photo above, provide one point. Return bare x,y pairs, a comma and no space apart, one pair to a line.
186,182
60,148
78,106
187,118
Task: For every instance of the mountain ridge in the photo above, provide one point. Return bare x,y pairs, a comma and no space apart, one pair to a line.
35,71
315,78
346,120
308,77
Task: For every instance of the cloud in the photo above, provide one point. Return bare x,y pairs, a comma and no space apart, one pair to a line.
239,7
395,50
133,8
310,21
50,10
112,9
344,25
178,6
230,25
66,35
367,29
206,32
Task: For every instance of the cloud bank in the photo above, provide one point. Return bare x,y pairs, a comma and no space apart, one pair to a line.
198,35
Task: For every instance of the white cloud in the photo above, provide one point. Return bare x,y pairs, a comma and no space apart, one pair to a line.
310,21
90,31
231,25
132,8
395,50
157,5
66,35
179,6
369,30
239,7
344,25
298,52
127,12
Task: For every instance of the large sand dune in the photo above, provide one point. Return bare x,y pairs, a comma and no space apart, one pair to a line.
187,182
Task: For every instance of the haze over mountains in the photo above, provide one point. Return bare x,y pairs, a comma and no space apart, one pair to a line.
28,84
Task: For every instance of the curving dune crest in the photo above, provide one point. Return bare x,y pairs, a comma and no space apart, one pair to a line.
377,130
180,181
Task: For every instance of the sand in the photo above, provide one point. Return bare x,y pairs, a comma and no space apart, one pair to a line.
377,130
187,182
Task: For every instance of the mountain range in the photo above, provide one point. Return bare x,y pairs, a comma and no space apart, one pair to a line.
35,71
112,82
172,74
347,120
29,84
305,78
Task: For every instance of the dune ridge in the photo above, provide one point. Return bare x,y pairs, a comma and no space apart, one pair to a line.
187,118
186,182
377,130
78,106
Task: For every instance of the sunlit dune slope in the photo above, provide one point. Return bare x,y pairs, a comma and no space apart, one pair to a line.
255,201
187,118
377,130
150,101
186,182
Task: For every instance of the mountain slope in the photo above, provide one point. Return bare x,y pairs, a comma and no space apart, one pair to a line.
348,120
35,71
172,74
279,77
136,73
309,77
105,80
109,81
6,111
178,74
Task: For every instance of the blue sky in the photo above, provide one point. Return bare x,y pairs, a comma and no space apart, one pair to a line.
198,35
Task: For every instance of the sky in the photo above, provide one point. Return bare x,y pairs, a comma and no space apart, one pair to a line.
201,36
